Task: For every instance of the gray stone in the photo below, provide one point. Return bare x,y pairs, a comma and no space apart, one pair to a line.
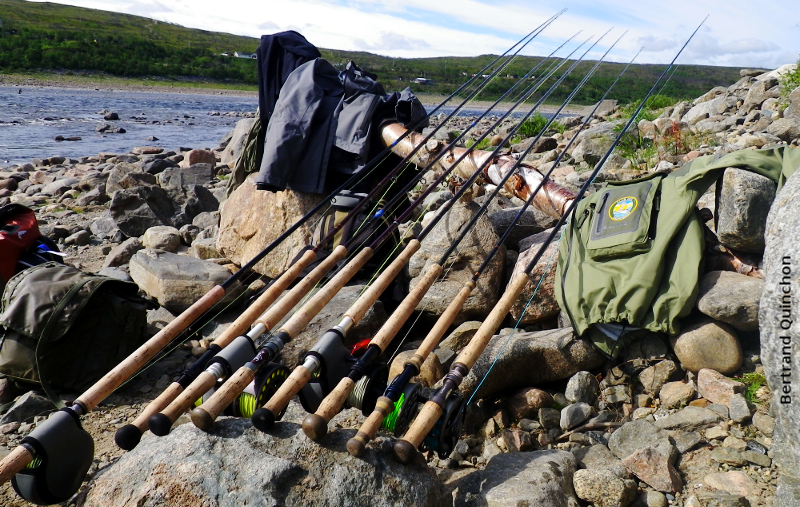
238,138
185,177
793,111
104,226
676,394
137,209
735,483
717,499
79,238
531,222
158,165
654,377
189,233
331,315
235,464
686,440
59,186
599,456
732,298
779,316
740,408
729,456
162,237
468,257
27,406
716,387
530,359
582,386
177,281
742,207
549,418
634,435
603,488
461,336
655,469
764,423
206,219
786,129
689,419
122,253
617,394
655,499
719,408
541,478
759,92
708,344
702,110
575,414
205,248
524,403
542,280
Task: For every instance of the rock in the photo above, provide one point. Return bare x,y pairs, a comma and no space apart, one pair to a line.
177,281
617,394
530,359
331,315
582,386
251,219
236,145
689,419
786,129
717,388
732,298
729,456
604,109
544,304
461,336
27,406
162,237
430,372
599,457
655,469
686,440
194,157
80,238
736,483
122,253
602,488
654,377
759,92
549,418
526,402
655,499
531,222
778,317
742,207
740,408
574,415
540,478
206,219
158,165
189,233
137,209
469,255
205,248
702,110
793,111
634,435
676,394
59,186
184,177
111,116
517,440
236,465
708,344
764,423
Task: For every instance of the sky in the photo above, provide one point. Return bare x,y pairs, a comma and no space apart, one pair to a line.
737,33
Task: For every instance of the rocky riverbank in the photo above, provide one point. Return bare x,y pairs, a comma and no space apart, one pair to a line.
684,421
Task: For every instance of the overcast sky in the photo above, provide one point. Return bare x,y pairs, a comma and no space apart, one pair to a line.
739,33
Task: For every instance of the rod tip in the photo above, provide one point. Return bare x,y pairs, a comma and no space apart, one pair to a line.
263,419
315,427
202,419
128,437
159,424
404,452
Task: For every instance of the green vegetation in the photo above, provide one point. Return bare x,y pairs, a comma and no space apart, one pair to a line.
789,82
38,37
753,381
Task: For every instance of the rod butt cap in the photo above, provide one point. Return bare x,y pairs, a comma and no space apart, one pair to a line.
355,447
128,437
404,452
159,424
315,427
202,419
263,419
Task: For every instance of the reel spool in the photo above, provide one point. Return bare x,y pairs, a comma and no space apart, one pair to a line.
264,386
405,409
366,392
445,433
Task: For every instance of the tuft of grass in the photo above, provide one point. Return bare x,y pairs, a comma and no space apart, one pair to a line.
753,381
789,82
532,126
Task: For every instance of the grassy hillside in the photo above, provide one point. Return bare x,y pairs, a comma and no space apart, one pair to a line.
45,36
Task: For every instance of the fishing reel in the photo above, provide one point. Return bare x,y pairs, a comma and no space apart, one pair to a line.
445,433
266,383
405,409
64,453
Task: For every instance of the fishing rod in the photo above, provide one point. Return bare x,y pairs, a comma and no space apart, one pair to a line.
331,343
314,363
315,425
405,449
80,448
395,408
161,421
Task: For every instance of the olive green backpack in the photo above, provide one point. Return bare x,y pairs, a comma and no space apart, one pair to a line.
65,329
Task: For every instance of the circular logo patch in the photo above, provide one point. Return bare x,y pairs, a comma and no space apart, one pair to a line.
622,208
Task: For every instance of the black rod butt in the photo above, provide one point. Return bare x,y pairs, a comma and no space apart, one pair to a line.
159,424
128,437
263,419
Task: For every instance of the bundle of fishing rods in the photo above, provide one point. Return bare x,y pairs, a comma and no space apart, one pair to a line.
241,371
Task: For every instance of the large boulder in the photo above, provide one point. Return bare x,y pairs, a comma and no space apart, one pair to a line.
177,281
742,208
732,298
540,478
530,359
236,145
468,257
234,464
542,280
779,318
706,343
135,210
251,219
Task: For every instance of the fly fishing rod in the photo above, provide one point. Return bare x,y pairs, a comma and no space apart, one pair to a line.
315,425
394,410
160,423
316,361
405,449
330,345
76,452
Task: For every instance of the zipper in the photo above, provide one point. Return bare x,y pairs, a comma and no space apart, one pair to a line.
600,213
